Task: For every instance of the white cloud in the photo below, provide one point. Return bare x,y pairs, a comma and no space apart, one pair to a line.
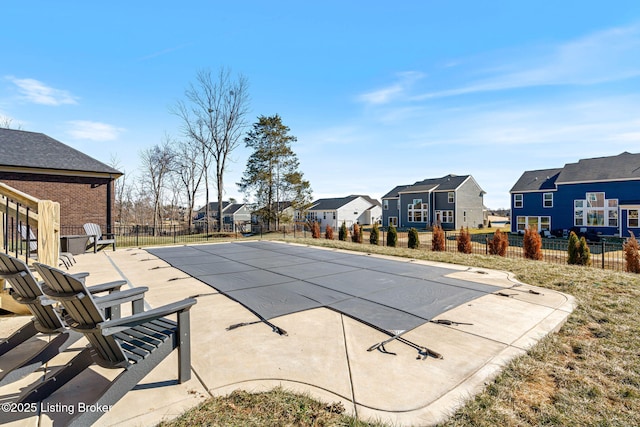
94,131
39,93
604,56
387,94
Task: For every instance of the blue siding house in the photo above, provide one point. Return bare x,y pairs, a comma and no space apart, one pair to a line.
452,201
599,196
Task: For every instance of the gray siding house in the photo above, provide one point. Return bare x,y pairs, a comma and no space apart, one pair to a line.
235,216
452,201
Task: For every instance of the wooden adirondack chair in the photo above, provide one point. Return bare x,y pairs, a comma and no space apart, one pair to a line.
96,238
136,343
47,319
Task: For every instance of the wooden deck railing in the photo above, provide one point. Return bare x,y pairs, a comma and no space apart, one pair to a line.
19,209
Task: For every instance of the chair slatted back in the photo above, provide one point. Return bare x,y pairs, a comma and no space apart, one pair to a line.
84,313
29,293
93,230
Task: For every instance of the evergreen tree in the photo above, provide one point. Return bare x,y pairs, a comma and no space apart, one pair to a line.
374,236
632,255
343,233
584,254
572,249
392,236
438,239
414,239
272,175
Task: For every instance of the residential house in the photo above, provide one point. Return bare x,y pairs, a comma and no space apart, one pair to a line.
354,209
47,169
598,196
452,201
235,216
284,211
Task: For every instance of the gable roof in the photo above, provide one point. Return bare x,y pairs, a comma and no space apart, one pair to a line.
446,183
338,202
544,179
624,166
39,153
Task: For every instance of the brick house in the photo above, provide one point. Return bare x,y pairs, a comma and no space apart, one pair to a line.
43,167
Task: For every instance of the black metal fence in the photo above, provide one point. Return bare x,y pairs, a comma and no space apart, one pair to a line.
606,254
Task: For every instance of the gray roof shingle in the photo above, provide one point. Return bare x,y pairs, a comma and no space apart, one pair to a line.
538,180
446,183
38,151
624,166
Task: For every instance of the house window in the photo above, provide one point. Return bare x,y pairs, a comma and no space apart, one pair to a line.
418,211
393,220
632,218
547,200
334,215
324,215
447,216
517,201
538,223
595,211
385,205
451,196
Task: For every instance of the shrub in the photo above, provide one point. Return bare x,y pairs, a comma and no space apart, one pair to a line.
414,239
532,244
315,230
392,237
464,241
438,239
632,255
584,254
356,237
374,236
499,244
572,249
343,233
328,233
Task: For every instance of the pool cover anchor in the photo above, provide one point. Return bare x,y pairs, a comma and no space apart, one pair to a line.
449,322
423,352
274,328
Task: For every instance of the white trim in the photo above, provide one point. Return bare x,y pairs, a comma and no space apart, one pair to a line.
599,180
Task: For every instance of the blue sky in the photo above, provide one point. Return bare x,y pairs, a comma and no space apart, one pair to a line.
377,94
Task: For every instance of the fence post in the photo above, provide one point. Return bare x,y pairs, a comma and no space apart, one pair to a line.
48,232
602,242
486,246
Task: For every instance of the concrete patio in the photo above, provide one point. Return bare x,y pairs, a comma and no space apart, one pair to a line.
324,354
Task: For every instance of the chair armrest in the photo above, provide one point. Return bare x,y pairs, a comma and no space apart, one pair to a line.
81,276
114,326
121,297
109,286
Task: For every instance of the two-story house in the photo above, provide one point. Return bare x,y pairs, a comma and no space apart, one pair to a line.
452,201
595,196
355,209
235,216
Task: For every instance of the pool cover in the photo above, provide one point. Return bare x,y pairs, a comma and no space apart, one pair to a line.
275,279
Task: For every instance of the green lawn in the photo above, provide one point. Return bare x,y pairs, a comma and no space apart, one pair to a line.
588,374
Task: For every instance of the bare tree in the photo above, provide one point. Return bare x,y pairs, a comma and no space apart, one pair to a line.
214,116
122,192
7,123
157,163
190,171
